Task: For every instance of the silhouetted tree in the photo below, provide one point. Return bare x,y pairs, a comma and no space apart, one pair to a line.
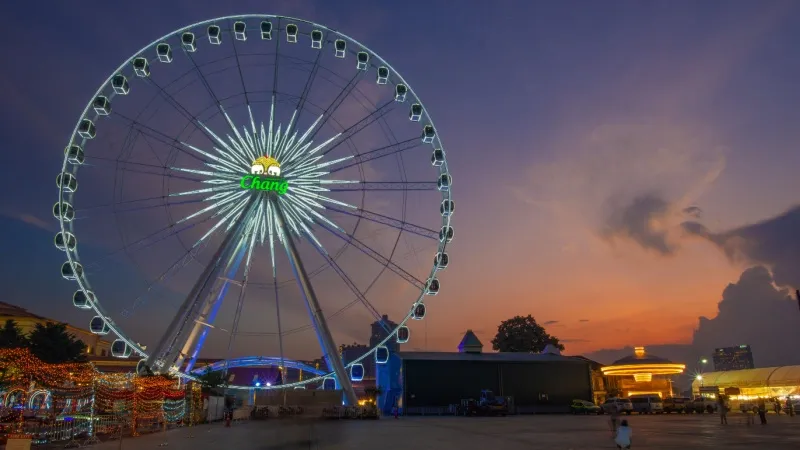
53,344
524,335
11,336
211,379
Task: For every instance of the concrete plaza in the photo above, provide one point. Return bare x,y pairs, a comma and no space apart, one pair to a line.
489,433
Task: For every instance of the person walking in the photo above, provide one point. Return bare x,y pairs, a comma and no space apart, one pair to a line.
762,411
614,418
722,408
789,407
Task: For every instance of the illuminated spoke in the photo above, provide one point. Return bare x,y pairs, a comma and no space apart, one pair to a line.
369,251
389,221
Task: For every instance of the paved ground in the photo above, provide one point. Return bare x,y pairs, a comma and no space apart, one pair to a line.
496,433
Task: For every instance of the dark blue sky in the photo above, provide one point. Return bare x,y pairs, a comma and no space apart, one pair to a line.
569,107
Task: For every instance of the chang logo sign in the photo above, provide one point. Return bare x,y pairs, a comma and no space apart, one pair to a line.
266,165
265,176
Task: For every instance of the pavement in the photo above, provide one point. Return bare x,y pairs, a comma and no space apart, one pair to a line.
484,433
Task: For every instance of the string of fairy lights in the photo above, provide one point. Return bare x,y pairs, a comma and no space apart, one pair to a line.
82,392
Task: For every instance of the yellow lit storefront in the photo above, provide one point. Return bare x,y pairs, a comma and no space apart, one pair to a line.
752,384
642,373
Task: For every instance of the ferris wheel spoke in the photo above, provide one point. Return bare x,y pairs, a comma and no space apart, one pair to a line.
164,173
152,133
360,296
203,79
148,241
337,102
140,208
362,124
239,66
178,106
389,221
385,186
381,152
380,259
163,198
173,268
307,89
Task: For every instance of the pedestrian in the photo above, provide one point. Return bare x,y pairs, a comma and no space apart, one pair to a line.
722,408
762,411
789,407
777,406
614,412
623,438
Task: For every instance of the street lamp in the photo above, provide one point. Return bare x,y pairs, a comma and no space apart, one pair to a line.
700,379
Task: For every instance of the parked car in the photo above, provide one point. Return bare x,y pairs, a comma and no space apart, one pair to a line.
623,405
584,407
647,403
677,404
704,404
752,406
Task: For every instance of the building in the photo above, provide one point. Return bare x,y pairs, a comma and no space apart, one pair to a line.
750,384
430,382
350,353
733,358
26,320
603,387
379,333
643,373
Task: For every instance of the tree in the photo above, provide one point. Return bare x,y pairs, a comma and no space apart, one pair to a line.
53,344
11,336
211,380
523,334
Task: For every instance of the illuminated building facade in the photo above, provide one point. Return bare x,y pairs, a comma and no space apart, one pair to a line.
750,384
642,373
603,387
739,357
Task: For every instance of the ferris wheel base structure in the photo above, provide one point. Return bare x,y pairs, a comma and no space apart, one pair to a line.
192,316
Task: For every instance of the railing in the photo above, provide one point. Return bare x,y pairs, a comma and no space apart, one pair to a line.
76,430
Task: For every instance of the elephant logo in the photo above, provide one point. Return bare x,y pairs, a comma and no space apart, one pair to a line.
266,165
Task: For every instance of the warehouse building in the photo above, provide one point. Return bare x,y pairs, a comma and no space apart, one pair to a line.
430,382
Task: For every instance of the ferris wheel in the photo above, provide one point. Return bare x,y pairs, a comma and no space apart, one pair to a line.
258,178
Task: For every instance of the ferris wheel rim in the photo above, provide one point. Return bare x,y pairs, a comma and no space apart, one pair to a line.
66,226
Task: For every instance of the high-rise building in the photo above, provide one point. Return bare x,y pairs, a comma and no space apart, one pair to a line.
379,333
733,358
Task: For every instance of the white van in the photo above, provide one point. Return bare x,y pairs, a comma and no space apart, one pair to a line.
647,403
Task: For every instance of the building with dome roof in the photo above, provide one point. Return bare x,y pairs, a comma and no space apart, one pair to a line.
644,373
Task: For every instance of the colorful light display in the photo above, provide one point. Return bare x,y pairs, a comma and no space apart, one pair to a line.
74,386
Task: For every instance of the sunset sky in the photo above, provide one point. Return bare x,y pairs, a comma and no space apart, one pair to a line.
580,137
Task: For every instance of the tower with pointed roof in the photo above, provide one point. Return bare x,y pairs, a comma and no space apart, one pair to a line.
470,343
